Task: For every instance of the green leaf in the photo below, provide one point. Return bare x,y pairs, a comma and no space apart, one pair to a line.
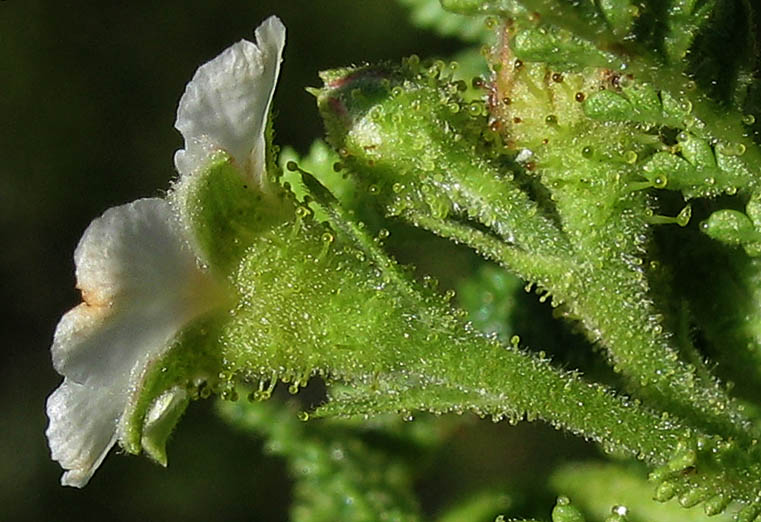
733,228
560,47
621,15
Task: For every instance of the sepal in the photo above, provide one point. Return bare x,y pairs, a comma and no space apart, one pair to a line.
160,420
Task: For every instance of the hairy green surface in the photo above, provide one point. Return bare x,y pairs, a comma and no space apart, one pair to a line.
607,160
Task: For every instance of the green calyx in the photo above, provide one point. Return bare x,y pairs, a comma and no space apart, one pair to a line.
225,213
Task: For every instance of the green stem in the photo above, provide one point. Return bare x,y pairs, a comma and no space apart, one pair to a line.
640,350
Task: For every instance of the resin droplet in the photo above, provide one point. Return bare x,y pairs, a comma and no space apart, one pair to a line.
683,218
564,511
660,181
618,514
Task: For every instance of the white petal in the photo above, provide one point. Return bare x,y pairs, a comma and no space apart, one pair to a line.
81,429
130,249
226,104
141,284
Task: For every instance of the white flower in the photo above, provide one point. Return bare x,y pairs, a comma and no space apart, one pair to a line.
139,274
226,104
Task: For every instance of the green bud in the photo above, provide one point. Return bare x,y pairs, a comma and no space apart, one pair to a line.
396,128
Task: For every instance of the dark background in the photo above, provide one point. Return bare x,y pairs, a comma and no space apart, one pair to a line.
88,92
